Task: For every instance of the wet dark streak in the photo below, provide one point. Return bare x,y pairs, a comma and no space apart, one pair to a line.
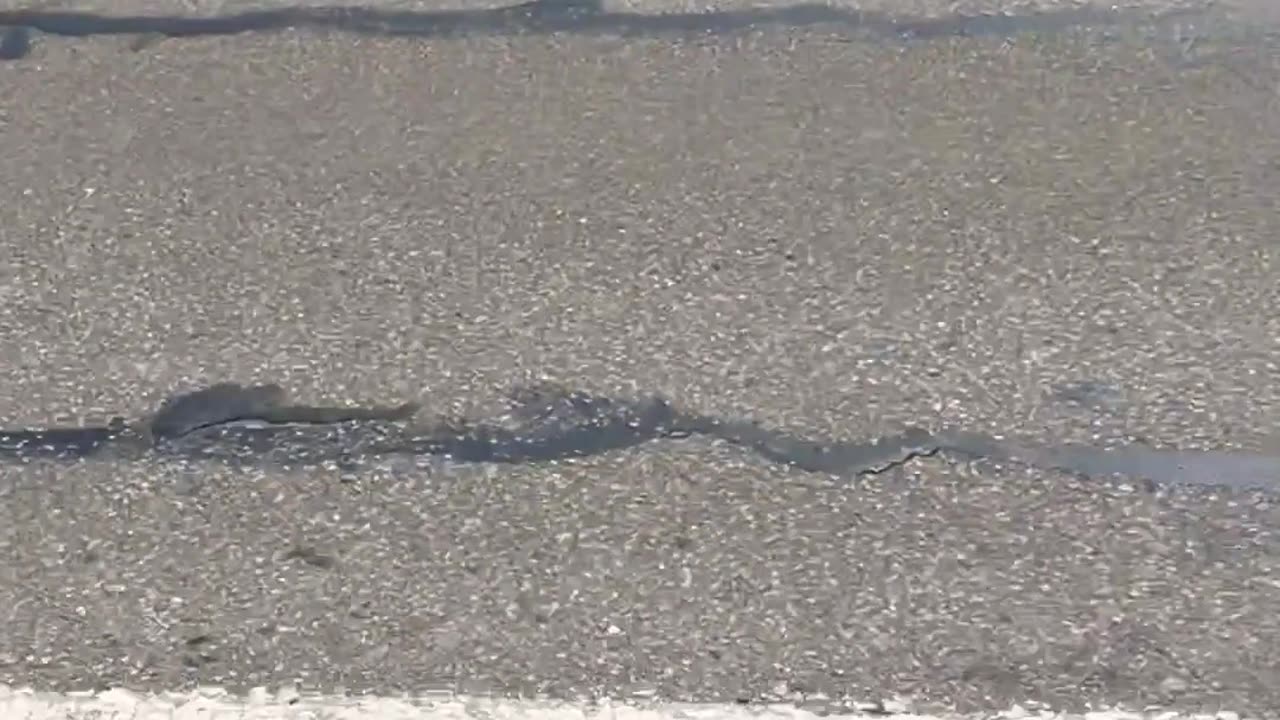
15,43
581,17
1237,470
56,443
254,426
225,402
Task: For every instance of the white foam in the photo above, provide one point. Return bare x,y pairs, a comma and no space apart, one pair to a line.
260,704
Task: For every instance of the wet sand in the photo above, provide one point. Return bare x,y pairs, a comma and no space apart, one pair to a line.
836,234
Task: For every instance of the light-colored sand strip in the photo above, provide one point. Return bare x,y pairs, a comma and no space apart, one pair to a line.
215,704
